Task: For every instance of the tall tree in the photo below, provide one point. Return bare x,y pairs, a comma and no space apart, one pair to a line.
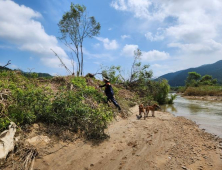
75,26
192,79
139,71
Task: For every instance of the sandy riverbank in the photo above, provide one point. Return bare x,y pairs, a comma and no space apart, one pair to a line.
158,143
207,98
163,142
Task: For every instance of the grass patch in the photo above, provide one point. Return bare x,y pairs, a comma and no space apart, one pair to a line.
204,91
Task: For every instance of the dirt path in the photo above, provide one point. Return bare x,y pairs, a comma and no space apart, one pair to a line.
163,142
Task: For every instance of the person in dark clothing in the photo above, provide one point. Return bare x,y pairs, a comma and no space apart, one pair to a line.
109,92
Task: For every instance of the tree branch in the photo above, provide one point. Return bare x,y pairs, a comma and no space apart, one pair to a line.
63,64
9,62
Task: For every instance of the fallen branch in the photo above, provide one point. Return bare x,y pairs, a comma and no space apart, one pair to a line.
62,63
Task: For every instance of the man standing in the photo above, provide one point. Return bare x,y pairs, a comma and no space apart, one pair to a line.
109,92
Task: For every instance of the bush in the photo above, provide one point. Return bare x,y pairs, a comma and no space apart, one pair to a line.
82,110
204,91
181,89
171,99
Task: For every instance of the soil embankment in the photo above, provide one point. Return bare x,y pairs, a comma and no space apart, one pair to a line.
207,98
163,142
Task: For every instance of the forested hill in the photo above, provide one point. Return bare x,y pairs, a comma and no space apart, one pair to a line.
46,75
4,68
178,78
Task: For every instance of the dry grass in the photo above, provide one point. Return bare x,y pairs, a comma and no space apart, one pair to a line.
204,91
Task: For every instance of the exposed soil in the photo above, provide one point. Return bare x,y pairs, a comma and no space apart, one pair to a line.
161,142
208,98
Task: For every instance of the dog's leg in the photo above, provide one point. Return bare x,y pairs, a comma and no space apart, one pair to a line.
153,113
140,114
147,112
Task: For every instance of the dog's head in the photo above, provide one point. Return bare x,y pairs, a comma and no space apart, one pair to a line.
141,106
156,106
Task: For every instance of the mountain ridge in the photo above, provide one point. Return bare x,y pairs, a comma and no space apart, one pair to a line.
46,75
178,78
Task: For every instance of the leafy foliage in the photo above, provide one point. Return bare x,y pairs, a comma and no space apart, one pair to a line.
81,109
192,79
113,73
178,78
171,99
204,91
140,82
74,27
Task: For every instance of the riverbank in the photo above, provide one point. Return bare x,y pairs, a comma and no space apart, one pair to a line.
207,98
161,142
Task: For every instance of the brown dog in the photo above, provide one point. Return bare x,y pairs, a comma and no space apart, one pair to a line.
152,108
141,109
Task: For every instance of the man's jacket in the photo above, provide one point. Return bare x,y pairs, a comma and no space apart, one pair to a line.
108,89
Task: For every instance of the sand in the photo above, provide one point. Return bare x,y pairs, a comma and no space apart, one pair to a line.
163,142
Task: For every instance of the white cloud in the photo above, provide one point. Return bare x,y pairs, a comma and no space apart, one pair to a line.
20,28
138,7
97,63
108,44
152,37
154,55
12,66
109,29
191,29
128,50
103,56
148,56
156,65
97,45
187,21
125,36
205,47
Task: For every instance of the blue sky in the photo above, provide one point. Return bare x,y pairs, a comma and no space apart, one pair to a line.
171,34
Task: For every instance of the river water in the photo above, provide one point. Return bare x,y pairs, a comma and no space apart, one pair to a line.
207,114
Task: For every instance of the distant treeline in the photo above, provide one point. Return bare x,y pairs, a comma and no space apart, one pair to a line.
179,78
27,74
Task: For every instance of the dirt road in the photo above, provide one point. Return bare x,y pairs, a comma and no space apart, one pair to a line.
161,142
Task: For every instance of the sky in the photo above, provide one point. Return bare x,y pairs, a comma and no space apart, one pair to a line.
172,34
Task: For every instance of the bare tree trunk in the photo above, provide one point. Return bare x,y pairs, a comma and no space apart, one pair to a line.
79,62
62,63
82,60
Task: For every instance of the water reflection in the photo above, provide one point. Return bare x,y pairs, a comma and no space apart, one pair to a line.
206,113
168,107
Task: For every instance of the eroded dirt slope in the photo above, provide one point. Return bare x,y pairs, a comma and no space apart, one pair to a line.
163,142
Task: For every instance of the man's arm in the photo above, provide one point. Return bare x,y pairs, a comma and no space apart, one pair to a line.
102,85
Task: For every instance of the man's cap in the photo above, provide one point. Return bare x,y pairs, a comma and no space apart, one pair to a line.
106,78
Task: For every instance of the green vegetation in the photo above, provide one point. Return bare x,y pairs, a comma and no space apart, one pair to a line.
74,27
204,91
178,78
73,102
139,81
200,86
195,80
76,102
28,101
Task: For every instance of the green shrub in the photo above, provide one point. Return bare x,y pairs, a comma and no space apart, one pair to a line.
82,110
171,99
204,91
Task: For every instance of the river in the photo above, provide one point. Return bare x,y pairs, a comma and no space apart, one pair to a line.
207,114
